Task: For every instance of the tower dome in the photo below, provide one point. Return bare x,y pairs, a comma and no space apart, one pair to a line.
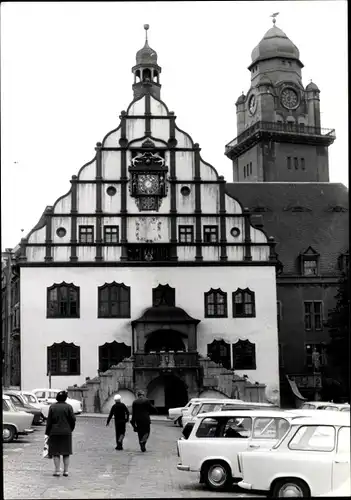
275,43
146,71
312,86
146,55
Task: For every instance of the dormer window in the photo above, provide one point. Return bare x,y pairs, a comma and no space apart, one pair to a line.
309,262
310,267
344,262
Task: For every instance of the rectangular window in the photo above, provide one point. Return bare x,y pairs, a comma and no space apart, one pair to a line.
289,162
111,234
186,234
302,163
302,127
296,163
86,234
314,438
250,167
310,267
313,315
210,234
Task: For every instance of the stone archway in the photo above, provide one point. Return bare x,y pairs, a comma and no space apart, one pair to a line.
167,391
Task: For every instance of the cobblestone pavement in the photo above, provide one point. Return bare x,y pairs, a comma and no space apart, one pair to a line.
97,470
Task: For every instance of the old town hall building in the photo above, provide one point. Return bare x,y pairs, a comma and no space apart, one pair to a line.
153,272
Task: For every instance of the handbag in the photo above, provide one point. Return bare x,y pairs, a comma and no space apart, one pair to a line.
45,453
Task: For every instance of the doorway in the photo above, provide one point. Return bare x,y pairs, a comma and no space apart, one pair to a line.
167,391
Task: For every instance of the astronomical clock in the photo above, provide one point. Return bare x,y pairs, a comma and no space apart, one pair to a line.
148,180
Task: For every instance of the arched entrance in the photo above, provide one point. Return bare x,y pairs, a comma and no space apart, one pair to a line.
167,391
165,340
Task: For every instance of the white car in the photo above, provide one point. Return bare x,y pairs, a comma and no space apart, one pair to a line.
14,422
312,459
175,414
49,396
322,405
212,446
31,398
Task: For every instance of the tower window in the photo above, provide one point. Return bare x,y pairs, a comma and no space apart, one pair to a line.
244,303
289,162
215,304
111,234
296,163
303,163
86,234
186,234
63,301
210,234
114,300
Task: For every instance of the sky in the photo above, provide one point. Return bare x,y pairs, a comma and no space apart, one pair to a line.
66,76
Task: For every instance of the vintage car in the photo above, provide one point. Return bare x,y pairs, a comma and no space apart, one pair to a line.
175,414
211,447
21,404
312,459
31,398
14,422
49,396
322,405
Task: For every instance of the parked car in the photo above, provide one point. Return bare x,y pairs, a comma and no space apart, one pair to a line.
213,444
14,422
31,398
175,414
21,404
312,459
322,405
49,396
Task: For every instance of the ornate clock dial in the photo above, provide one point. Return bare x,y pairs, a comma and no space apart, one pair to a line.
289,98
252,104
148,184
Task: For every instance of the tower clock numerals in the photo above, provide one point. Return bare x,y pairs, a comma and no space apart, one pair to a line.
252,104
289,98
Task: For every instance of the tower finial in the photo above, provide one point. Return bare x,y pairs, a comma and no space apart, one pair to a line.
146,27
274,16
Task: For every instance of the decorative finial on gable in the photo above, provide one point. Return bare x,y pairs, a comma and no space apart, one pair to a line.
146,27
274,16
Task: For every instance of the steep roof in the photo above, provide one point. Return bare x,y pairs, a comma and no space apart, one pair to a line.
300,215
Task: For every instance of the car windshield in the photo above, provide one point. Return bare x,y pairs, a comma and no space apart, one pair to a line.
11,405
29,398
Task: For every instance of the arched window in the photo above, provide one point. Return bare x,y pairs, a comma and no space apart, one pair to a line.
112,353
244,355
114,300
216,304
63,301
244,303
63,359
219,352
163,295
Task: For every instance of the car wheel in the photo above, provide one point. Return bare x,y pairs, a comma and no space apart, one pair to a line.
217,476
8,433
290,488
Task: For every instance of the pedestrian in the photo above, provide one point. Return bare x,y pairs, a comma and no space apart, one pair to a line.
140,421
59,427
121,414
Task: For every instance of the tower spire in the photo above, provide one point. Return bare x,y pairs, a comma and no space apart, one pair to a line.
274,17
146,27
146,71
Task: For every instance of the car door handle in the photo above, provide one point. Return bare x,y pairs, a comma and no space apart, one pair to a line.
254,446
341,461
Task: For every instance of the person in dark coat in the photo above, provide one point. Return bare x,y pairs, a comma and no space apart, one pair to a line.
60,424
140,421
121,414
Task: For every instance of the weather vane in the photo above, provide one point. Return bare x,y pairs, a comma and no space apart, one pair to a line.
274,16
146,27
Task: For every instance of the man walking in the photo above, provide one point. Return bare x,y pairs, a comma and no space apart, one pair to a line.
121,414
140,421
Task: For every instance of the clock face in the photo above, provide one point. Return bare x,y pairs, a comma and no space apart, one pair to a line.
148,184
289,98
252,104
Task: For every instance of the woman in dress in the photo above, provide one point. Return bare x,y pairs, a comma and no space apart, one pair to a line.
60,424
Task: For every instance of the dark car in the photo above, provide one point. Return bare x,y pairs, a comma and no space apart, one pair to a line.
20,404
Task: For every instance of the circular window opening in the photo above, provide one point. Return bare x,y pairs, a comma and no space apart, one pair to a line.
235,231
111,190
185,190
61,232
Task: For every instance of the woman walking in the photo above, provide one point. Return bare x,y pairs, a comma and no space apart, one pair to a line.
60,424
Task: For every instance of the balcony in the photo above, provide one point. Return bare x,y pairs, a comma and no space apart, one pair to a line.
165,360
149,252
280,132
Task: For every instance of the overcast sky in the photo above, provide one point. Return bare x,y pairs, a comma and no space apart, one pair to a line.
66,76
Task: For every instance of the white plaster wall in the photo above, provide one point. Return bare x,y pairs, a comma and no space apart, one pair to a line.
63,206
183,140
64,222
257,236
207,173
38,332
260,253
111,204
86,198
157,108
160,128
210,198
185,204
211,253
137,108
186,253
38,236
112,254
89,172
86,221
112,141
111,165
149,229
209,221
135,128
232,206
235,222
35,254
112,221
61,254
235,253
86,254
185,165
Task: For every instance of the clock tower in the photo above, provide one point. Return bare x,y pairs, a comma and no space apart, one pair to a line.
279,134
